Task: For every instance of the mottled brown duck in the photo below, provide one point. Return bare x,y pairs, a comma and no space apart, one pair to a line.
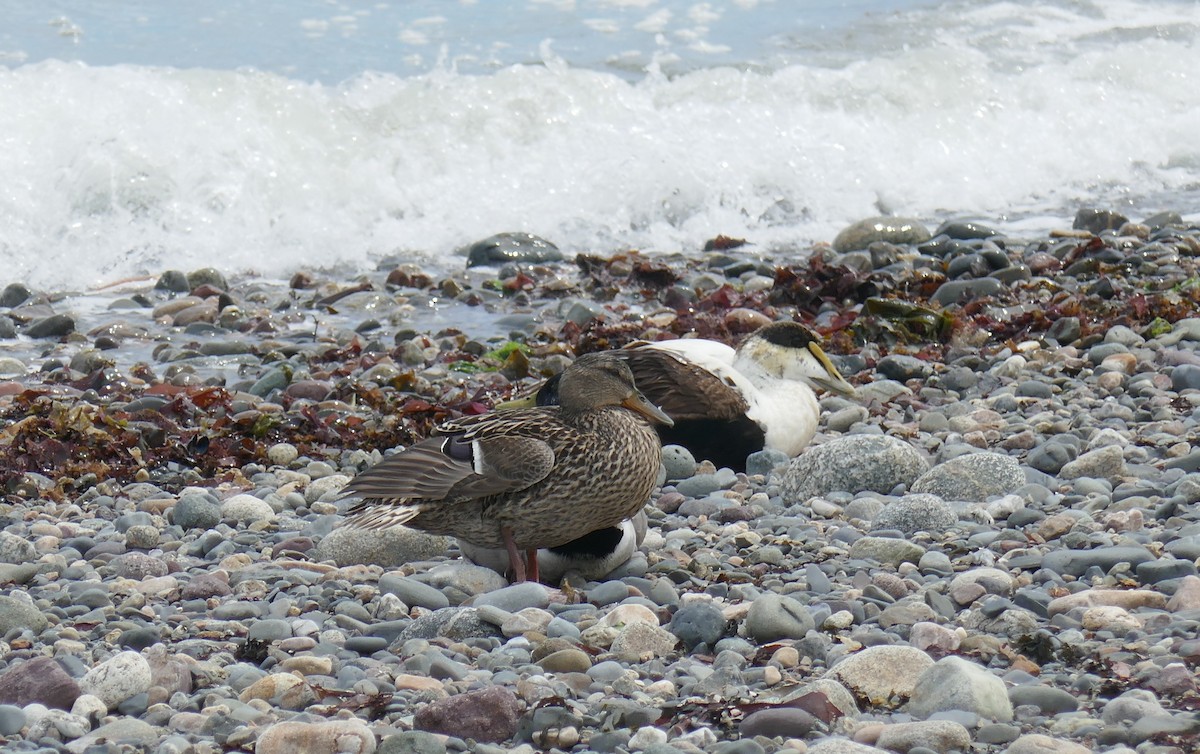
529,478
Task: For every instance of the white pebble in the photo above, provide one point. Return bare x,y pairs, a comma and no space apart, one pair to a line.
247,509
281,454
121,676
646,737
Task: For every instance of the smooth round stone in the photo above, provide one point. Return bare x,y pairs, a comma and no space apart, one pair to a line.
238,610
10,367
566,661
698,486
269,629
973,477
511,247
1185,377
773,617
1165,569
14,294
853,464
784,722
965,230
54,326
678,462
247,509
698,624
955,291
1050,700
142,537
366,645
894,230
196,512
1051,456
118,678
516,597
974,265
913,513
1034,389
282,454
606,671
139,638
765,461
412,592
1076,562
411,742
12,720
607,593
903,368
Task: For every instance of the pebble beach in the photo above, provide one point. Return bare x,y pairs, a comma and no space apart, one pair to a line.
992,549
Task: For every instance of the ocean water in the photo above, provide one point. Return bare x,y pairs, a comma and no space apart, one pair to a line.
264,137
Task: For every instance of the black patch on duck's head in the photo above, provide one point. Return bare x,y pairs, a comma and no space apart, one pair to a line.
598,544
547,394
787,334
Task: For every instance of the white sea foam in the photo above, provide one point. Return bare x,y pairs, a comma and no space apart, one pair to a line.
998,111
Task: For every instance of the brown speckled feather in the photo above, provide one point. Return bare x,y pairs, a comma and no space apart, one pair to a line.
681,388
550,475
444,465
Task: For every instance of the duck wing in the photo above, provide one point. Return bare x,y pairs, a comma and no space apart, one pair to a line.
686,389
476,457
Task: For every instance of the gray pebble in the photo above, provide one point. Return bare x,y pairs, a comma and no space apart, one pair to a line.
678,461
196,512
412,592
773,617
913,513
12,720
903,368
516,597
699,485
974,477
698,624
765,461
1049,700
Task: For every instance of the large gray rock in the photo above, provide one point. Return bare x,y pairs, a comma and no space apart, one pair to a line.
855,463
973,477
17,613
486,715
389,548
38,680
1107,462
938,735
121,676
883,675
913,513
773,617
953,683
14,549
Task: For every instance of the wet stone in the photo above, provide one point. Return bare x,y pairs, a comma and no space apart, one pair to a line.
1098,220
54,326
521,248
894,230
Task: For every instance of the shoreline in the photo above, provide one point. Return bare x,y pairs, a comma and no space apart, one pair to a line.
172,458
